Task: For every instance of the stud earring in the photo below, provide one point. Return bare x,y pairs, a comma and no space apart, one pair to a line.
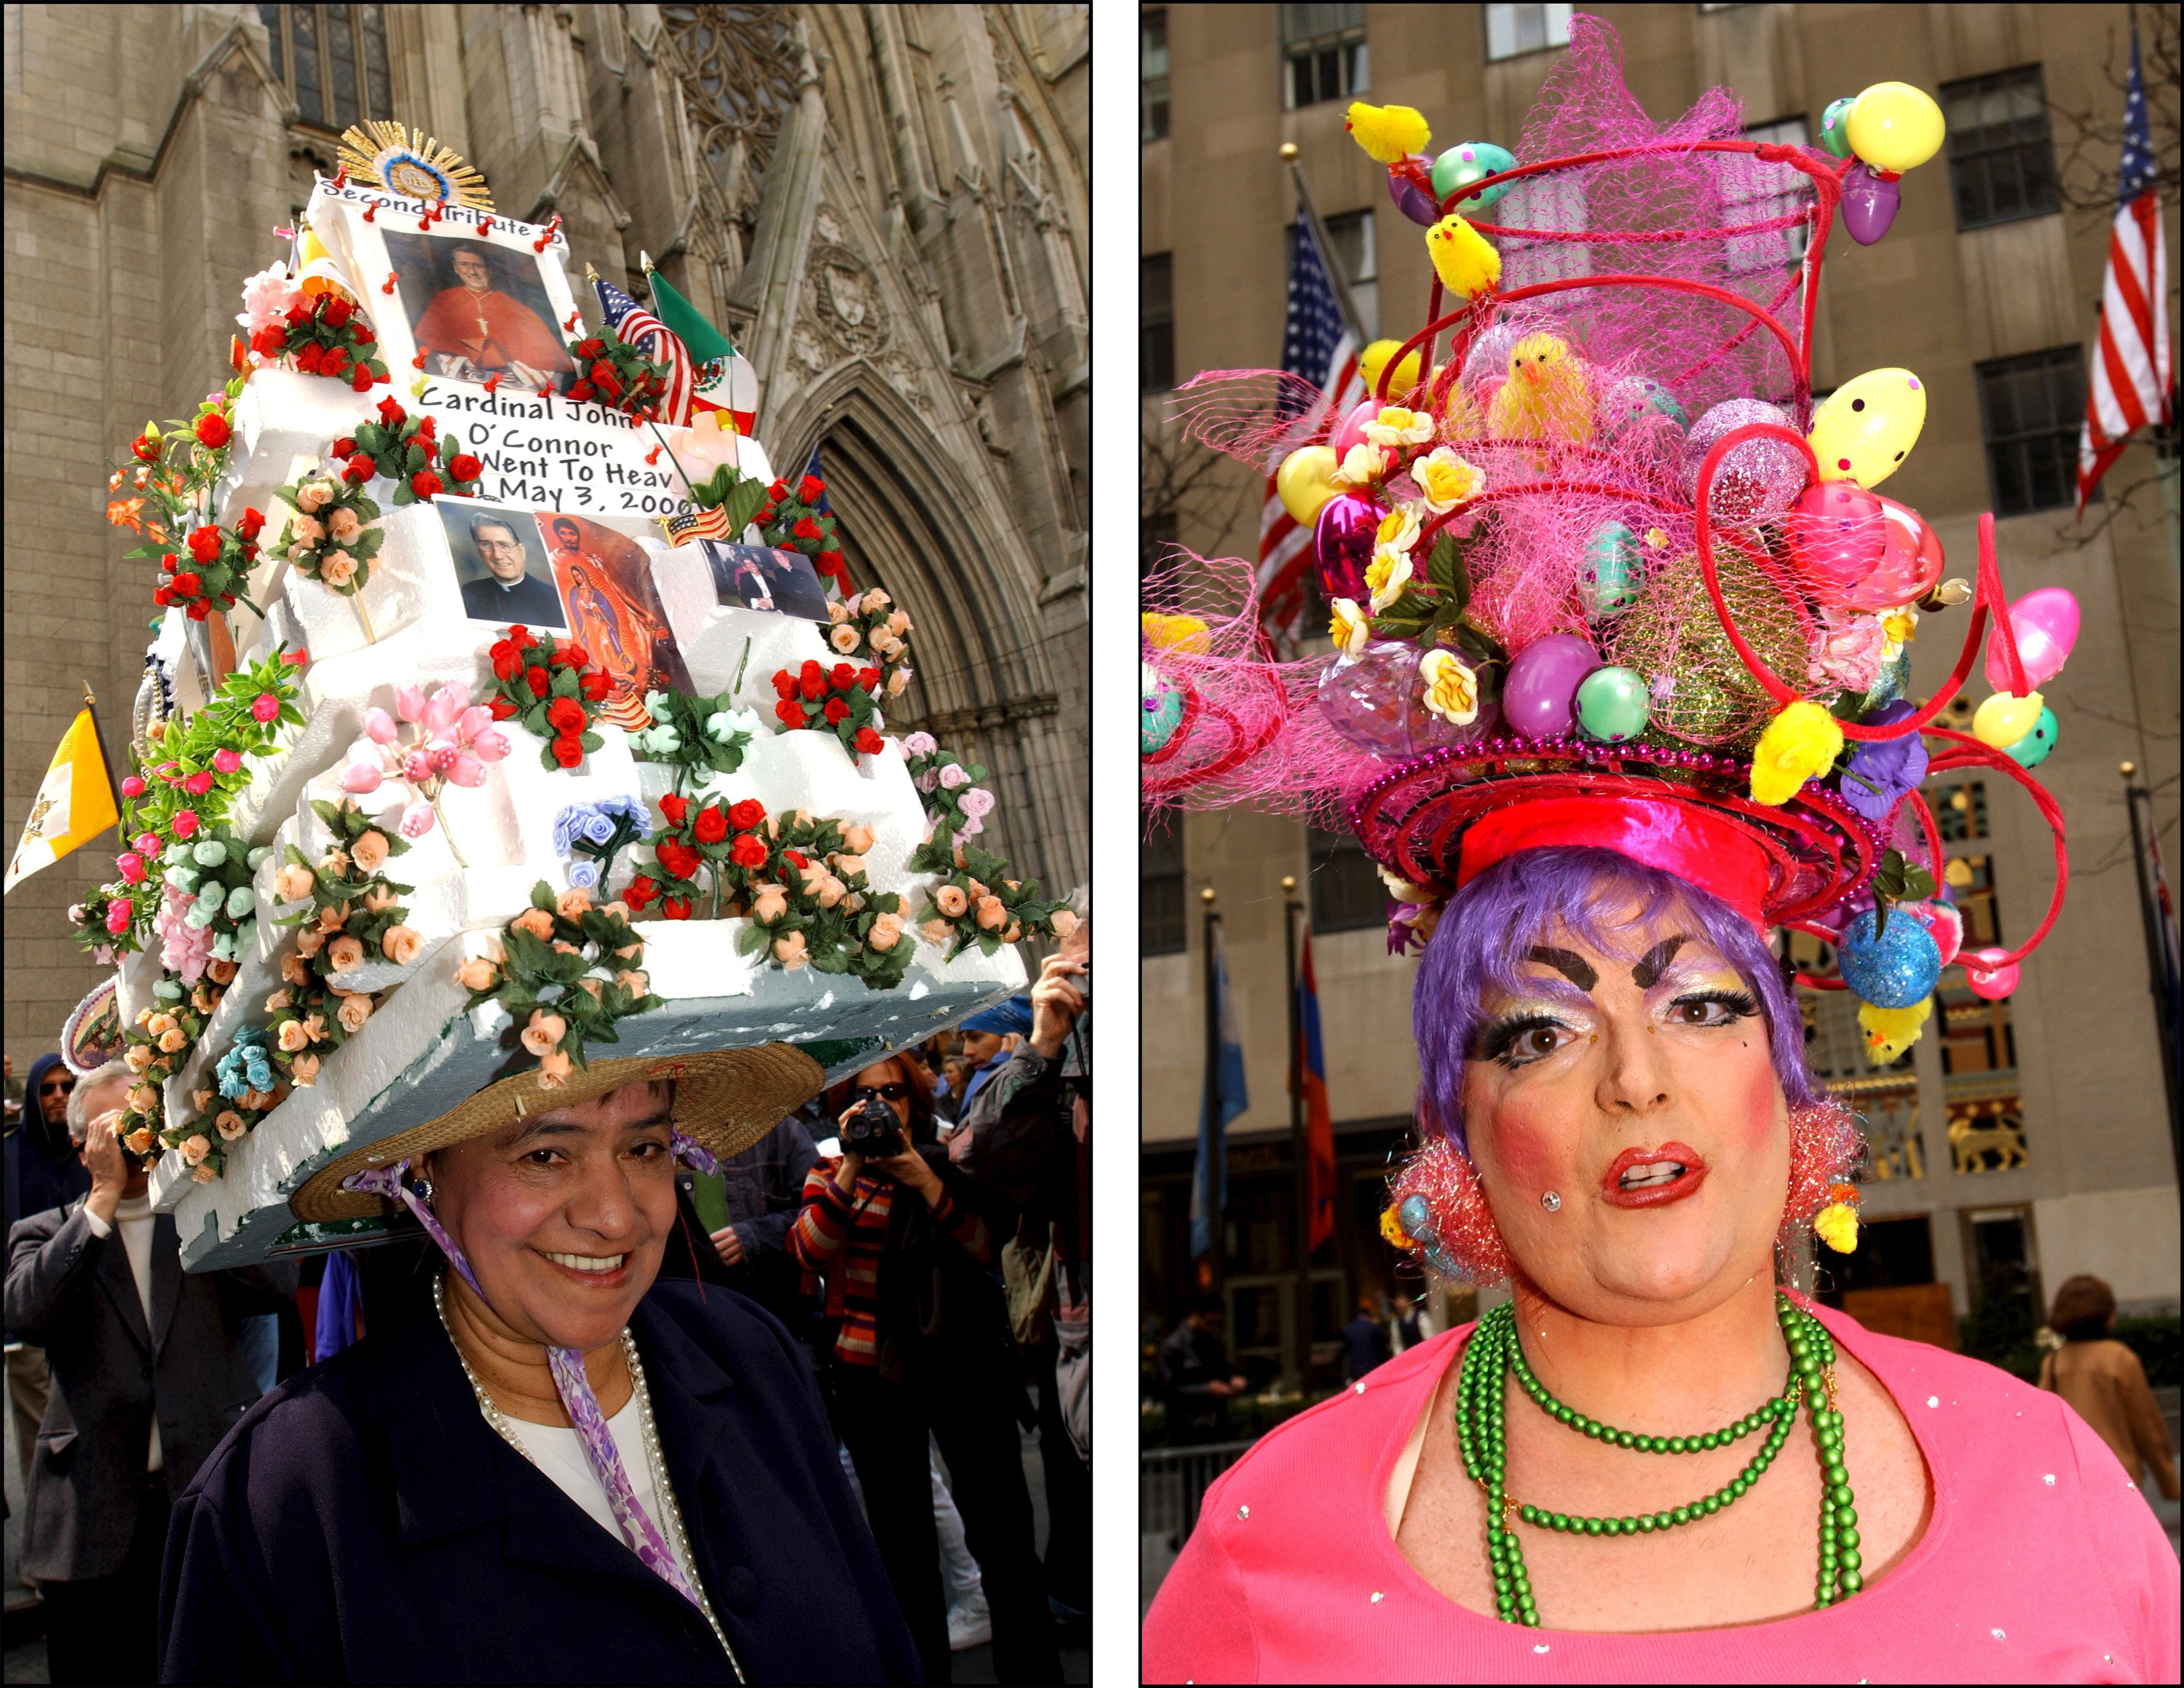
424,1188
1552,1202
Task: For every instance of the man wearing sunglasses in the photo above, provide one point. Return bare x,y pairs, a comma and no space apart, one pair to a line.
43,1173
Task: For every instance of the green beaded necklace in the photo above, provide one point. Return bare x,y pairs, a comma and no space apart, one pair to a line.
1494,1352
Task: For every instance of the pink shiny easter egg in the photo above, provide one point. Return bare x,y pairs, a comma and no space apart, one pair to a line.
1910,565
1342,545
1838,535
2046,623
1352,430
1543,682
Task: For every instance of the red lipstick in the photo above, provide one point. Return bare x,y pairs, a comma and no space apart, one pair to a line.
1656,1191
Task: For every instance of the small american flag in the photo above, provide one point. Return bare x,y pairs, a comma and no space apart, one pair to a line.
2131,379
634,325
1318,345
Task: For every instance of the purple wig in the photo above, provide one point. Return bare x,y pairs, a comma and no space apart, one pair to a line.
1491,925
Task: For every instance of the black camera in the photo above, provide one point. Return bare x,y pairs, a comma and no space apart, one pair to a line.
870,1125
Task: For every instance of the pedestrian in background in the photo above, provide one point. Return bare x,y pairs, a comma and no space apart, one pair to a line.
1409,1324
748,1212
1197,1380
148,1374
1364,1342
2103,1380
988,1039
43,1172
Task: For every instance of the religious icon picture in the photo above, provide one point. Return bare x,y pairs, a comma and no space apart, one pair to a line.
476,309
762,578
605,578
500,564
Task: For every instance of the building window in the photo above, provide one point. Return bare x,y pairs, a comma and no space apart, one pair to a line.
1347,893
1514,29
1356,254
1971,883
1322,54
1152,76
1762,192
1156,322
332,60
1960,813
1160,929
2002,158
2031,408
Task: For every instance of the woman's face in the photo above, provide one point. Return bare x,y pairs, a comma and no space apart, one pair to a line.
564,1216
891,1081
1640,1089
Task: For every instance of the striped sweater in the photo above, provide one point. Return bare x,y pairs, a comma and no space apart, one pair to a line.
842,1237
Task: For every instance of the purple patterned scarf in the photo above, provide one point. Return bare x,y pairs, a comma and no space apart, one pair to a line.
570,1381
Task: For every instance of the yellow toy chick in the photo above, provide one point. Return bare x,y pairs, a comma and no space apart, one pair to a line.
1465,261
1388,133
1544,397
1889,1031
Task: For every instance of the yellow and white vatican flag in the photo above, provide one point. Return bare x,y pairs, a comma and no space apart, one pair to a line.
75,804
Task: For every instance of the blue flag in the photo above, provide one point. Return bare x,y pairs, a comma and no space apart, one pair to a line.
1209,1180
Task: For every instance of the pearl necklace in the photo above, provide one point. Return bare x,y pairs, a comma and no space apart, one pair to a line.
655,1462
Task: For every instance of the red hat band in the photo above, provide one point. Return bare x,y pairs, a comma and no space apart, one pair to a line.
1707,849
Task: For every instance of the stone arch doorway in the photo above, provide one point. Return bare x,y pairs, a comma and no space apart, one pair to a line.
984,682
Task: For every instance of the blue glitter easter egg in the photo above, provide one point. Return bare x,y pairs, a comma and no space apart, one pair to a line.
2032,750
1607,585
1895,969
1161,707
1415,1213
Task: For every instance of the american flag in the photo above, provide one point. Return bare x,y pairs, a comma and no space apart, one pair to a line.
633,326
1318,345
2131,372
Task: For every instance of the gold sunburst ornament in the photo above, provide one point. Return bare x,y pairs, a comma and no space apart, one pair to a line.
384,154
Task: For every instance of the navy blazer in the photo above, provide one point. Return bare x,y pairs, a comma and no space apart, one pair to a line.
364,1524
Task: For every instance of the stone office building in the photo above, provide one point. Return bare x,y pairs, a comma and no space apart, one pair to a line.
2024,1140
886,207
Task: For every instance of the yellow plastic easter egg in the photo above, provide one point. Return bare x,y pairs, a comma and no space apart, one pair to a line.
1374,359
1305,483
1867,426
1896,126
2003,720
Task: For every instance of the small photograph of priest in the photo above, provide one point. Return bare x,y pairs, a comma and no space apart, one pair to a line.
500,564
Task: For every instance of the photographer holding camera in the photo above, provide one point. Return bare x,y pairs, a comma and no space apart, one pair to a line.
922,1346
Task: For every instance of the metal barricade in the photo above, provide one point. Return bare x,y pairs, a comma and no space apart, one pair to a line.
1172,1485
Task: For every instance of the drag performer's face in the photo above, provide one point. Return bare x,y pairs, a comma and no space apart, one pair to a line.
564,1216
1639,1088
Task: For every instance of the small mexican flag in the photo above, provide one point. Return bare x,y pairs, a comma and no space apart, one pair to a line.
733,385
75,803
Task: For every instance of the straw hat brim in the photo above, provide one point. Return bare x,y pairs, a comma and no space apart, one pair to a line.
726,1099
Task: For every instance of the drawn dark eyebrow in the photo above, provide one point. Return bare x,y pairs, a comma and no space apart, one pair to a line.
1571,965
1649,964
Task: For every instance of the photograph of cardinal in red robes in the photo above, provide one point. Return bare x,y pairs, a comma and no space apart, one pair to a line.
477,311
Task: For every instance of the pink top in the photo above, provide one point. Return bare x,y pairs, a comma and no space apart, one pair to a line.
2040,1562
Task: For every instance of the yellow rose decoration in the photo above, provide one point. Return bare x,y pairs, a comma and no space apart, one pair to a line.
1451,690
1837,1226
1446,480
1386,576
1802,743
1395,427
1889,1031
1364,465
1398,529
1350,628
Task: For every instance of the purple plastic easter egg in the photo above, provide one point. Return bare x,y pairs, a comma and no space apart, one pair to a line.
2046,622
1869,203
1757,481
1837,536
1342,545
1352,430
1910,564
1987,978
1411,199
1543,682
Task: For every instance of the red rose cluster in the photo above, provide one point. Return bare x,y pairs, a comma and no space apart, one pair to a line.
327,336
727,840
409,450
213,577
792,521
619,376
552,689
839,700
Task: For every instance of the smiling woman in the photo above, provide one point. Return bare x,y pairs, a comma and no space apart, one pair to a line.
551,1436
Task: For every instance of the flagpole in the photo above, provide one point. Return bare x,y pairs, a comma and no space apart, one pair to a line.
105,765
1310,212
1214,1178
1300,1151
2158,982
